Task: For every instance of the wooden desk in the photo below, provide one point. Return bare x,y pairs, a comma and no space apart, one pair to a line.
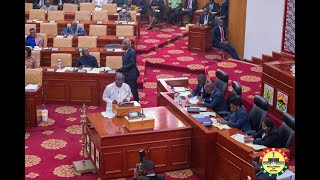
111,26
75,87
101,41
33,103
46,55
200,38
214,154
114,151
278,75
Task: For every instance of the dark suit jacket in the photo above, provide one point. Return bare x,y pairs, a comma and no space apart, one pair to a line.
262,176
271,140
129,67
225,9
197,90
216,101
211,19
194,4
216,7
216,35
239,119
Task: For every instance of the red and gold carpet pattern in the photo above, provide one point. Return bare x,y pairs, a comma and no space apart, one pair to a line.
51,148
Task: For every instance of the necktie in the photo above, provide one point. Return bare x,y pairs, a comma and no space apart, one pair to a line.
222,34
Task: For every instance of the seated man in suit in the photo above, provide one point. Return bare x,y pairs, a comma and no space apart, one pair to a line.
87,60
34,39
206,18
124,15
216,100
267,136
259,174
238,116
47,6
74,30
220,40
117,92
189,7
199,90
213,6
146,172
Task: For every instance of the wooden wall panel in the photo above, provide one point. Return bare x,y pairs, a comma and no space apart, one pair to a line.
237,24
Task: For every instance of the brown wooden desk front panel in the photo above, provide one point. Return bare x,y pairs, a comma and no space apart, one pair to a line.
33,103
279,76
111,26
200,38
168,144
46,55
101,41
75,87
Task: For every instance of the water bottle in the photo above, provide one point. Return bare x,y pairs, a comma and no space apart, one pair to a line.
59,63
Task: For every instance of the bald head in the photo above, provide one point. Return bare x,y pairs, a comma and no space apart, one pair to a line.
126,43
209,87
85,52
74,24
119,79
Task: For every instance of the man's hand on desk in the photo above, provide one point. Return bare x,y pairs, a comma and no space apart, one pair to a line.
248,139
222,121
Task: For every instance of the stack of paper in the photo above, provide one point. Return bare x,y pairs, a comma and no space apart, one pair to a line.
184,94
179,89
31,87
208,113
60,70
94,70
105,68
108,114
193,100
203,108
117,50
221,126
238,137
256,147
87,68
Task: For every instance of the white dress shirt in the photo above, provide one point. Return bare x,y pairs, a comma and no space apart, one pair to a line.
113,92
101,2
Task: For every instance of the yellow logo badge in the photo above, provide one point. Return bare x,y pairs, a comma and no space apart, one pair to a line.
273,162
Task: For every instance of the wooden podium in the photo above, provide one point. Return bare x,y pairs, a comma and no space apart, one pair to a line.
200,38
278,77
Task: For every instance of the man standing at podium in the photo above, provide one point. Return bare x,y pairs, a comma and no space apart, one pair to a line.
116,92
129,68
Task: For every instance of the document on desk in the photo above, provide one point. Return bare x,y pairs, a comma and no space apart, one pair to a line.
203,108
87,68
60,70
184,94
208,113
108,114
117,50
219,125
198,115
179,89
238,137
32,87
256,147
193,100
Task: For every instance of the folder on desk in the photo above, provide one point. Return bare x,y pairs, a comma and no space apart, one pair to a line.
193,109
205,121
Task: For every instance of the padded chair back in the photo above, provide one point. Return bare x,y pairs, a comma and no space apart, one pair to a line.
112,8
49,28
82,16
87,41
87,7
221,81
258,112
96,55
114,62
37,57
67,7
97,30
45,38
66,59
62,42
28,6
100,15
37,14
287,130
236,91
55,15
27,27
133,15
124,30
33,76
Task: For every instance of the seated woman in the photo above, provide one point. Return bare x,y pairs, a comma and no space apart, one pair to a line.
267,136
156,7
34,39
124,15
237,117
29,61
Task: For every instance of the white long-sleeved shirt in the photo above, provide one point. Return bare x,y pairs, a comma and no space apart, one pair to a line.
113,92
